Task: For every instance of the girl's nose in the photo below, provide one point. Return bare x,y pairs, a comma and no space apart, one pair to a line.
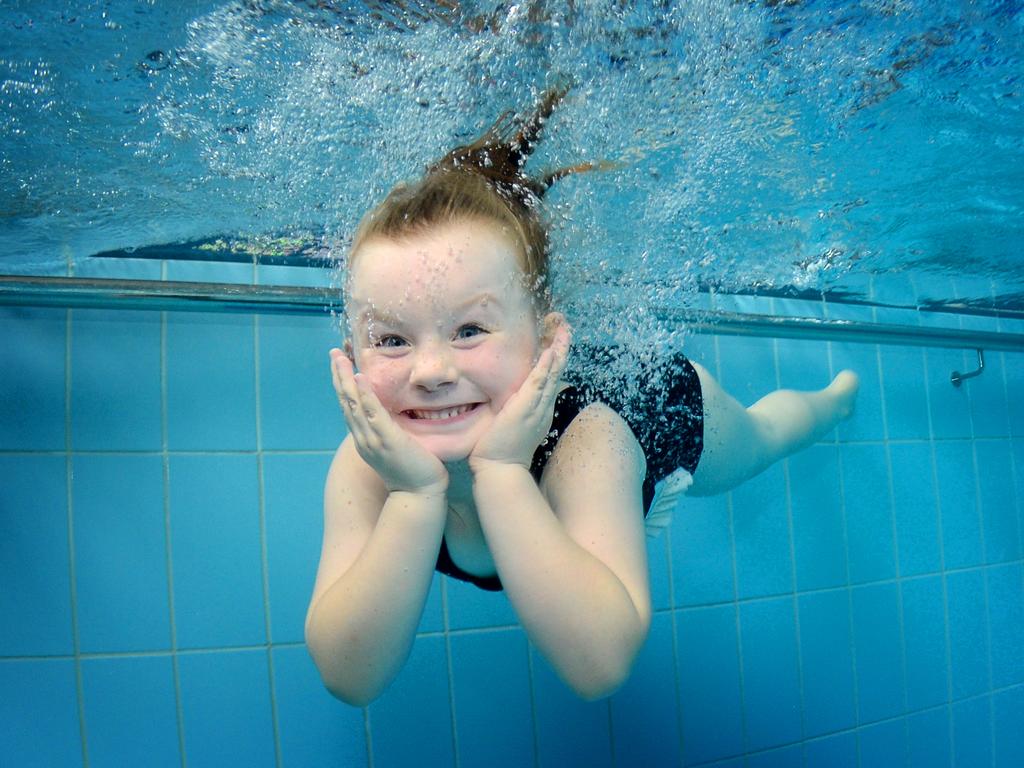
433,368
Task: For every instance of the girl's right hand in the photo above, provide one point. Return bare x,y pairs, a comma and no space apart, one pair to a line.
402,463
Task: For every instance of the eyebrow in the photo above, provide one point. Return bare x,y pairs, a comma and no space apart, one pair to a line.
384,316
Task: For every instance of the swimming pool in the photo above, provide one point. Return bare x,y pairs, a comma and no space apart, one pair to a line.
162,453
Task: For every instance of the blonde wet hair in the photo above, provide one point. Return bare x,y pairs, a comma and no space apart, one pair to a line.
481,182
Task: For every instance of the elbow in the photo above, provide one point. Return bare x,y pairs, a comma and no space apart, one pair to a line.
355,690
343,681
349,694
604,676
595,690
599,680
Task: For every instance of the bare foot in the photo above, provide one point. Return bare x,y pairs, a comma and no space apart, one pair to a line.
844,388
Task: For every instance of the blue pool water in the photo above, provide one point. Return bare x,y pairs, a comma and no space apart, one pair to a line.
861,604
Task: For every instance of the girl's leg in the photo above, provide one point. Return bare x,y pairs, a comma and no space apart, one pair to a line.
741,442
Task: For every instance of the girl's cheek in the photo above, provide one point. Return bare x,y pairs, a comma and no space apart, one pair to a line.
385,377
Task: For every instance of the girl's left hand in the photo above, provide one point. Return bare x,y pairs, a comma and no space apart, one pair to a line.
525,419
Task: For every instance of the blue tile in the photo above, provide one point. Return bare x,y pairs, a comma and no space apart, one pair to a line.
883,744
298,405
924,634
868,513
316,730
950,409
470,607
225,704
216,551
210,272
115,381
709,684
987,395
411,723
432,619
570,731
211,400
827,662
878,652
658,572
961,524
785,757
867,422
1007,715
39,725
702,348
915,508
1017,451
800,308
997,501
747,367
273,274
1013,370
968,633
140,729
702,554
906,400
120,553
32,389
771,678
972,731
1006,617
817,518
761,530
645,722
735,763
119,268
836,751
803,365
35,602
928,744
293,498
495,723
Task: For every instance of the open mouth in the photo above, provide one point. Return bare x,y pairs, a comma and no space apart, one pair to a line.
440,414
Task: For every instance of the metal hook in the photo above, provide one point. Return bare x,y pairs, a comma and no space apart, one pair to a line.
958,377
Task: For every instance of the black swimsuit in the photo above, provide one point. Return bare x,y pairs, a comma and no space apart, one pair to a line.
667,421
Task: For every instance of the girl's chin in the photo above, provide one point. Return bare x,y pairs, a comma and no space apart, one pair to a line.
446,451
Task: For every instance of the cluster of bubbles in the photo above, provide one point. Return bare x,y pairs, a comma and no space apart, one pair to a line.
754,144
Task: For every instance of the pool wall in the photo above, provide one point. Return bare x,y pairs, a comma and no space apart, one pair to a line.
861,604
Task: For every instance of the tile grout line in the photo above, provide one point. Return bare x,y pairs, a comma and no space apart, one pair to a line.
848,586
791,531
451,671
676,667
984,573
943,574
891,493
264,557
76,646
730,509
168,544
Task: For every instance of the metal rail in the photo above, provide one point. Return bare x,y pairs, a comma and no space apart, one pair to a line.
95,293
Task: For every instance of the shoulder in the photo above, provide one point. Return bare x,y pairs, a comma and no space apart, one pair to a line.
599,431
597,453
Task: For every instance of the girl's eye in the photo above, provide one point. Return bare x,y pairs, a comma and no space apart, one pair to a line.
468,331
389,341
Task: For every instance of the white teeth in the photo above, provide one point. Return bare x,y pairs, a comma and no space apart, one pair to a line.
445,414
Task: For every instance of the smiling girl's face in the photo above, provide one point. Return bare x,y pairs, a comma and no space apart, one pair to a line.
444,329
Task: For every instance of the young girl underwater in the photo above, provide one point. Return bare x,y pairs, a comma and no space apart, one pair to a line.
469,454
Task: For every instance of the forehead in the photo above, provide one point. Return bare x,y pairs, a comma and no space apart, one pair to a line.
444,262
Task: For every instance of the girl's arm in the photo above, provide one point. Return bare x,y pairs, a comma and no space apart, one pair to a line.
573,559
376,566
384,514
